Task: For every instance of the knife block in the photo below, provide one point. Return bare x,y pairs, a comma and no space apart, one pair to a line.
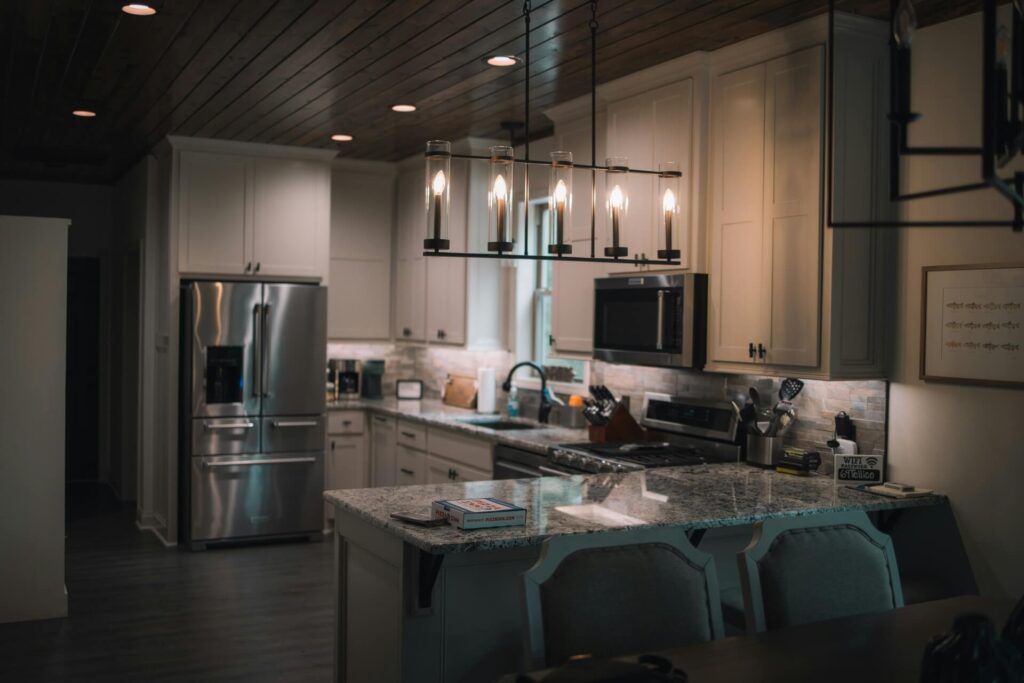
621,427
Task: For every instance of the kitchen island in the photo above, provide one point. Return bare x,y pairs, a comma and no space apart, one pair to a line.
441,604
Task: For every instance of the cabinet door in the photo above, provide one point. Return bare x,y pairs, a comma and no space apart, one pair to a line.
738,298
444,471
382,450
410,266
359,292
348,466
792,207
291,216
446,278
213,214
411,466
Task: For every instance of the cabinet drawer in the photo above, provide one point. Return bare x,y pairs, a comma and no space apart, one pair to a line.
346,422
293,434
412,434
451,445
412,466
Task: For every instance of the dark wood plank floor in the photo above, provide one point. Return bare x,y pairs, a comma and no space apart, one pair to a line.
142,612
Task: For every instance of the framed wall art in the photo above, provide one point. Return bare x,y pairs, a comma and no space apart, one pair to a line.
972,324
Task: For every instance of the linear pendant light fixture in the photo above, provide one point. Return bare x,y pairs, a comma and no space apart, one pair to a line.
501,233
1001,107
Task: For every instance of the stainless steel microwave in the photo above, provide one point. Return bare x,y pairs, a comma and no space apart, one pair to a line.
658,320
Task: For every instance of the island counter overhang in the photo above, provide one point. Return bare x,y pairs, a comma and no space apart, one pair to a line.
442,604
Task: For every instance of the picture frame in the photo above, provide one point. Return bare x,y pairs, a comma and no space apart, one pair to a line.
972,324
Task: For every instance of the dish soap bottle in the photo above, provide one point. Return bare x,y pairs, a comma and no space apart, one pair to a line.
513,402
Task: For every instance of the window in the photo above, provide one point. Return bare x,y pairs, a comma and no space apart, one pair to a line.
575,371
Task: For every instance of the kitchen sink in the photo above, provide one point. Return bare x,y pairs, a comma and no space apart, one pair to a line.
500,425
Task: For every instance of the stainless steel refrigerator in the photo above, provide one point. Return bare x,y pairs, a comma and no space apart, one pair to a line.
251,436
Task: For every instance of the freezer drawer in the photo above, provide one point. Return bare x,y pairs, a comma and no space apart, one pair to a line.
225,436
256,495
293,434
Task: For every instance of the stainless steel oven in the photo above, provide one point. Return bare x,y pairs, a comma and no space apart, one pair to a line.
651,319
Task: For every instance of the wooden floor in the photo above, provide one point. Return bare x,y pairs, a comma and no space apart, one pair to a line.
142,612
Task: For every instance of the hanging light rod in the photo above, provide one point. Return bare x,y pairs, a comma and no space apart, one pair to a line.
501,231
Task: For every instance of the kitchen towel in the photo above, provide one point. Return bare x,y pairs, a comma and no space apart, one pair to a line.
485,392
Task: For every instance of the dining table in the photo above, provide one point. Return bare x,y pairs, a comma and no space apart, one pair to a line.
876,647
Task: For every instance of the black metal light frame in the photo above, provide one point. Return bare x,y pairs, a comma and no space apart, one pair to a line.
1002,137
526,161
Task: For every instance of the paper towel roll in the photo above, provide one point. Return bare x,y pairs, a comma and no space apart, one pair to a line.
485,390
846,447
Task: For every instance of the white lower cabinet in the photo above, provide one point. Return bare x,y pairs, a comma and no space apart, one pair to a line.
411,466
382,450
347,465
445,471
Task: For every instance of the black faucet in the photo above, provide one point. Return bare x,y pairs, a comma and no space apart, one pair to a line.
544,409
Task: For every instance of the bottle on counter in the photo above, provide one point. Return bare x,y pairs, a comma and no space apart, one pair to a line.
513,402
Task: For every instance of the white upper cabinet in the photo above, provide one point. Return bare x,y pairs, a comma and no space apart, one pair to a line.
788,294
410,266
250,209
291,205
661,125
359,296
213,213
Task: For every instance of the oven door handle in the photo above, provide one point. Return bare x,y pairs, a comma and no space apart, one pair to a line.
557,473
660,340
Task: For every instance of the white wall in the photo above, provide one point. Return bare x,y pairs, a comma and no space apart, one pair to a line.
965,441
33,308
90,236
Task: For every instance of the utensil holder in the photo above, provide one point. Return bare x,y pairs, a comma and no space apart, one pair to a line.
763,451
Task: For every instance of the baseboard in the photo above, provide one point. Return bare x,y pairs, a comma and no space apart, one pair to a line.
155,524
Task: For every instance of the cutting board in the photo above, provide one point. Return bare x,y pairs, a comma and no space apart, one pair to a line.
460,391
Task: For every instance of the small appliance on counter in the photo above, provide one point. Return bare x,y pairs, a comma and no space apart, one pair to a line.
373,379
346,377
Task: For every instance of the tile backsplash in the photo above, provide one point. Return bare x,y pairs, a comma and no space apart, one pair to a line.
816,406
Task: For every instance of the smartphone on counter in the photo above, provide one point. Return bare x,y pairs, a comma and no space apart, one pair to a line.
419,518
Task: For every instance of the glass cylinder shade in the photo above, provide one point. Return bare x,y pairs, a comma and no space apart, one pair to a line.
500,229
560,201
667,210
616,201
438,194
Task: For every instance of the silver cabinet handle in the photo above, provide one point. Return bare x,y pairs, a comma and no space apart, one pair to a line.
405,471
660,342
211,426
295,423
267,461
409,435
379,418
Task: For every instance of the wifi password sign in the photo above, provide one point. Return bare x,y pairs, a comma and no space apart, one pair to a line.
858,469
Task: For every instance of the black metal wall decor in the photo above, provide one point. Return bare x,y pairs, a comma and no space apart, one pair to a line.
501,240
1002,130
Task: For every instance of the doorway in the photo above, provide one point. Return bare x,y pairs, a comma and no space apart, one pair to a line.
82,388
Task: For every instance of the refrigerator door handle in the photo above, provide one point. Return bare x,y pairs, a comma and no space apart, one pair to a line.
265,350
211,426
207,464
257,353
294,423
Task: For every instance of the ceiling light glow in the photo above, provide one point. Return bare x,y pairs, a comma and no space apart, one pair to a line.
404,108
83,113
138,9
502,60
341,137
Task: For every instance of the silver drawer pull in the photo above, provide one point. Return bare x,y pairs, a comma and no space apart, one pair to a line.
266,461
409,435
211,426
405,471
294,423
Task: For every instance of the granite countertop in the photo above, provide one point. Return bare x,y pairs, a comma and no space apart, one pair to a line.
434,412
687,497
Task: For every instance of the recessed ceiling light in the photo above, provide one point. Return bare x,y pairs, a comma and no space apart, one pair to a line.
502,60
84,113
139,9
404,108
341,137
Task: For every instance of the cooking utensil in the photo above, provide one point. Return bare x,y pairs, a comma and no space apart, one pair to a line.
748,417
790,388
755,397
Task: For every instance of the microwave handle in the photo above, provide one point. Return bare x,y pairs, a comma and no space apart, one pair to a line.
660,342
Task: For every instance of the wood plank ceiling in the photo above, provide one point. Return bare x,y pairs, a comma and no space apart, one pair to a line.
296,71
